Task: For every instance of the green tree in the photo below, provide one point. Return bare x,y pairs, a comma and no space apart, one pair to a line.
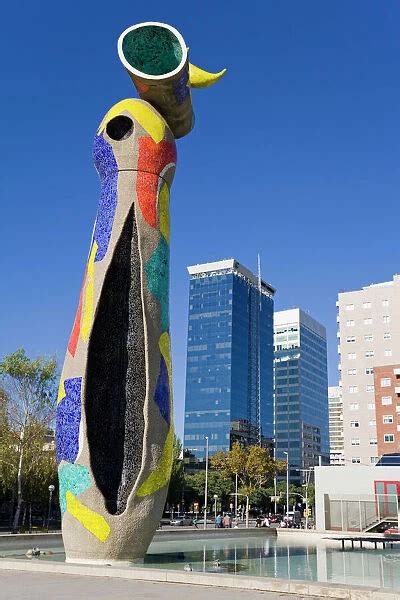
28,392
253,465
176,483
217,485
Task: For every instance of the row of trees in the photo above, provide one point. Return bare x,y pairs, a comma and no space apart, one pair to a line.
255,470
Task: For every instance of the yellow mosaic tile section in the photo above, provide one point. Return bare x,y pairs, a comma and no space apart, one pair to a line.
91,520
151,122
61,391
163,207
160,476
89,296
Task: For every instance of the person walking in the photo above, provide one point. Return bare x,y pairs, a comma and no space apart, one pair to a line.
195,522
218,520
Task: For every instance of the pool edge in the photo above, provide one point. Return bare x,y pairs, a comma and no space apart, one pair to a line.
305,588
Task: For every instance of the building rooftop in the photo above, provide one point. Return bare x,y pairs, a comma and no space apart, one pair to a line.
229,265
298,315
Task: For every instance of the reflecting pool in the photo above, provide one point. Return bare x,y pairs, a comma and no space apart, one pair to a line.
284,557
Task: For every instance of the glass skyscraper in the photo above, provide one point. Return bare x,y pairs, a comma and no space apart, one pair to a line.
229,374
301,390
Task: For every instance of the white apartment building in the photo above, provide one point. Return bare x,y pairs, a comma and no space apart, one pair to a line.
369,335
336,439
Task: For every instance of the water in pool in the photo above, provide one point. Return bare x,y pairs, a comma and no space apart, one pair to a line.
281,557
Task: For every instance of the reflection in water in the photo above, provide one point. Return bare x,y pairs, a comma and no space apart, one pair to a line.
281,558
286,557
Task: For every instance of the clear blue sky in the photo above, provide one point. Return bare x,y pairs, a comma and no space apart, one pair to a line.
294,155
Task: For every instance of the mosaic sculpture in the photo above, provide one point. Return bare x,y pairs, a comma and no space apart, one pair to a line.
114,409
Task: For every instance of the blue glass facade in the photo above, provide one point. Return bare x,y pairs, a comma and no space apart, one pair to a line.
301,390
229,358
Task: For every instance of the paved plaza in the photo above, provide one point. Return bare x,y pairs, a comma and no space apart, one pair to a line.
17,585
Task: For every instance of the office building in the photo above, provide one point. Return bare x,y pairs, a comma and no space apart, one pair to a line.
369,336
387,409
229,374
301,390
336,441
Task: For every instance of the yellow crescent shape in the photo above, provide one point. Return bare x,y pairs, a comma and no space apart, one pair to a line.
202,79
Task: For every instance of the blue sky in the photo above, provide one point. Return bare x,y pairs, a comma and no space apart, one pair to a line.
295,154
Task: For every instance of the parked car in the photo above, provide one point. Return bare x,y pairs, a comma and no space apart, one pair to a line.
182,521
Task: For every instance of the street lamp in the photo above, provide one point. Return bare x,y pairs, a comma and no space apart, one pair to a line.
206,485
51,490
215,507
247,507
305,485
287,486
236,488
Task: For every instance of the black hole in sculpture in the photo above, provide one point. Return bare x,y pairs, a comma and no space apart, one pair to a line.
119,128
115,375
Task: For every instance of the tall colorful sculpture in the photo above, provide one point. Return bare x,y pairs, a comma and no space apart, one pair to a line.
114,427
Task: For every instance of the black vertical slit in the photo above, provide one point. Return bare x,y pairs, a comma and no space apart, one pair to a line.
116,376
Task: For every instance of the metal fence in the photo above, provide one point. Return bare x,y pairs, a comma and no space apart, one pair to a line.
358,513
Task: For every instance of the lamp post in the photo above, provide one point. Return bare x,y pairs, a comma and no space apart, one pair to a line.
206,485
305,485
236,488
51,490
287,486
215,507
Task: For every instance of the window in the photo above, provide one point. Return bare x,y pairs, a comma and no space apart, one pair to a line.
387,335
373,442
351,339
354,424
356,460
353,389
369,354
355,441
385,382
374,459
351,371
369,337
350,323
369,388
352,356
368,321
349,306
398,408
354,406
398,427
387,419
366,304
385,302
388,353
386,318
369,371
372,423
388,438
371,405
386,400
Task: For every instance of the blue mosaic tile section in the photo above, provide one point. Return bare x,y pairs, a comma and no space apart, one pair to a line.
75,479
181,87
68,417
157,272
161,395
107,169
